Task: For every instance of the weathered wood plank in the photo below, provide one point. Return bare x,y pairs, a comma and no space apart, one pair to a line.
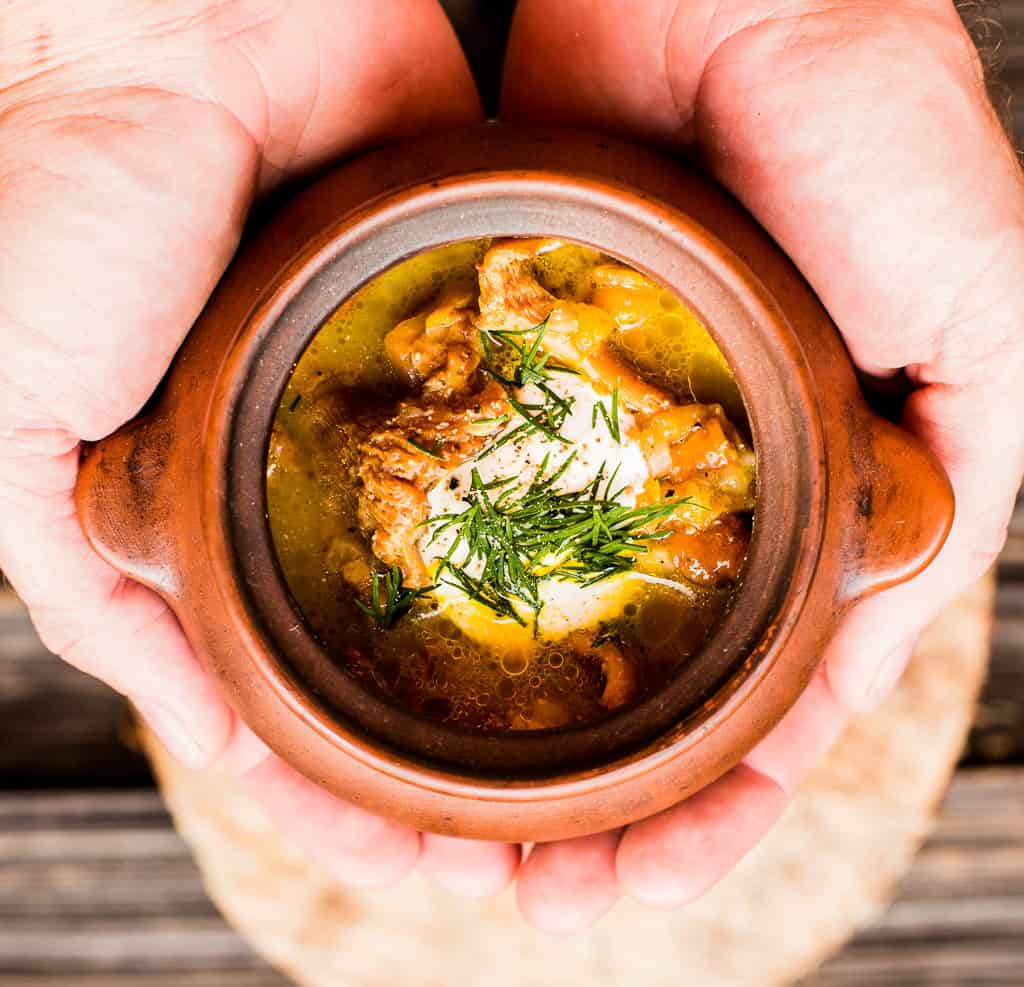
1011,560
58,727
933,963
1013,76
958,916
998,734
98,883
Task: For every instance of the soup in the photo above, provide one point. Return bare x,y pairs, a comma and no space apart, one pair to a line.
509,484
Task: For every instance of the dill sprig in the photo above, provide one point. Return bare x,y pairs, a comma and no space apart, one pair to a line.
532,367
611,418
396,600
434,453
512,539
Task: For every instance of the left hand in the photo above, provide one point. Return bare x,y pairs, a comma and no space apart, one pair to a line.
134,137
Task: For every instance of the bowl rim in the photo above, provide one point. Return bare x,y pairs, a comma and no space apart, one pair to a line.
766,605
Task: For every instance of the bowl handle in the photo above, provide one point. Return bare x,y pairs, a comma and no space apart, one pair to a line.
896,513
126,504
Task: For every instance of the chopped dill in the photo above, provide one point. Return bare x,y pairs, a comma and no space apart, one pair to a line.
434,453
611,418
546,416
512,539
396,601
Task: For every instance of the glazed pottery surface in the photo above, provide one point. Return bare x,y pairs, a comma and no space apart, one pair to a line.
847,503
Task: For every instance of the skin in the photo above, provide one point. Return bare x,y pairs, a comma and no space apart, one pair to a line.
135,136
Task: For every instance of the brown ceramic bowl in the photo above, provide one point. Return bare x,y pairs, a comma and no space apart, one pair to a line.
847,503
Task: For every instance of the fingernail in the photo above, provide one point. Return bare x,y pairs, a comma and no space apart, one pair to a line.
887,674
173,734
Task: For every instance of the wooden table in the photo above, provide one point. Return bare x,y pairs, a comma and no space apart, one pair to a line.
96,889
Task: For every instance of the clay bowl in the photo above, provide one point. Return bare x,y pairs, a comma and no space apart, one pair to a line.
847,503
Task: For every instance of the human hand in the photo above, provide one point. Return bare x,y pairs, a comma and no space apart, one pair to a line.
133,139
861,137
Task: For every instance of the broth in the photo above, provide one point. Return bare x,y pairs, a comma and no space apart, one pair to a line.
449,429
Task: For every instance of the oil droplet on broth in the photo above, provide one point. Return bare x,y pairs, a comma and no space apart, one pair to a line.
514,664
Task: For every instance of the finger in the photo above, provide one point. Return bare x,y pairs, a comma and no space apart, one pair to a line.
469,868
102,623
355,846
676,856
804,734
870,651
244,752
566,886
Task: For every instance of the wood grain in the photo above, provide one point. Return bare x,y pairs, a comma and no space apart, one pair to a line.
998,733
58,727
97,890
98,883
958,916
1013,69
